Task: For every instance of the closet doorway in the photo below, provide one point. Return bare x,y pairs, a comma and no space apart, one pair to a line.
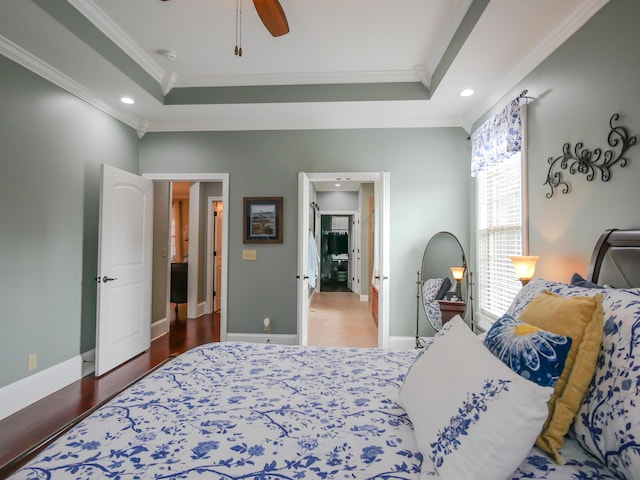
337,251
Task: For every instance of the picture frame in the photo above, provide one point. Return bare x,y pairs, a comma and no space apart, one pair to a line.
262,220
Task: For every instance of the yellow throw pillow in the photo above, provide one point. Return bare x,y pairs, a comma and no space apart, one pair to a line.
581,319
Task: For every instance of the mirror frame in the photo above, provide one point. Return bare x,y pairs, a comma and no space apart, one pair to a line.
464,282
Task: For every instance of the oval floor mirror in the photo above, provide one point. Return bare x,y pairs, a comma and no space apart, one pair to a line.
443,280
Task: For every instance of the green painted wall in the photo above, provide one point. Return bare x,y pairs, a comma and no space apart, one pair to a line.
338,201
52,146
427,167
593,75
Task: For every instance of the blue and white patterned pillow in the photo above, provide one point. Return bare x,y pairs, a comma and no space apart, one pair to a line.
608,422
430,289
535,354
473,417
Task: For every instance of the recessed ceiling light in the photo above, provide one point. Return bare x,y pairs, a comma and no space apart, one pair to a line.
127,100
337,184
467,92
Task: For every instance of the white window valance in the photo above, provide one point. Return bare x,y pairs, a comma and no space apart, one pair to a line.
498,138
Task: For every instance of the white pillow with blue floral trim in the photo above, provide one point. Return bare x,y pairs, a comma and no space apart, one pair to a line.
473,417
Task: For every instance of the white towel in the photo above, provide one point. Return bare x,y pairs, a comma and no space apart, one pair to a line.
314,260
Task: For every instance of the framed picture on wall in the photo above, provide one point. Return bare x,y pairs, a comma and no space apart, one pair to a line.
262,220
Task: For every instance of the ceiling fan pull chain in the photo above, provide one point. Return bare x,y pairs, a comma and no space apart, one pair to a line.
235,51
240,35
238,50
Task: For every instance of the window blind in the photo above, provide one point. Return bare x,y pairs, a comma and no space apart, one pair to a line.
499,217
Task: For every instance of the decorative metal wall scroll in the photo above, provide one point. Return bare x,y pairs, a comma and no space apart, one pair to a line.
589,162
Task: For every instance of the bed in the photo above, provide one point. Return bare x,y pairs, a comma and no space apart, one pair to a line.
256,411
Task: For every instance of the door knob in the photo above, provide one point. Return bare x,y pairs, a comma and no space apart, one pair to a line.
106,279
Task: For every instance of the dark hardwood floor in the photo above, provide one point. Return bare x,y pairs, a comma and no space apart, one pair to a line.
23,433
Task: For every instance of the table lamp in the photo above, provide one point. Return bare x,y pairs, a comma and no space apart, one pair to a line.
458,273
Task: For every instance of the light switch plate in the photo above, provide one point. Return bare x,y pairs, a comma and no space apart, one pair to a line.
249,254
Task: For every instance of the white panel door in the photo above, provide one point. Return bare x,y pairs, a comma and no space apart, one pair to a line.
123,327
303,258
382,190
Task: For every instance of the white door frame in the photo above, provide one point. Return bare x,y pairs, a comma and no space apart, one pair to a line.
381,181
357,258
208,177
382,214
209,307
303,259
193,257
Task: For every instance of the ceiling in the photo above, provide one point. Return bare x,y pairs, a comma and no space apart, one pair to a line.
344,64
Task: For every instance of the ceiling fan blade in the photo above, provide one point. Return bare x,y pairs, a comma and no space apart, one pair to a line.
273,17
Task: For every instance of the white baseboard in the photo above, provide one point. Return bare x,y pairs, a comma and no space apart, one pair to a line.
24,392
200,309
159,328
364,298
281,339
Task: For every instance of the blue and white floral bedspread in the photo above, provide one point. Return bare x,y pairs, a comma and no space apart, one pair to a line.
245,411
254,411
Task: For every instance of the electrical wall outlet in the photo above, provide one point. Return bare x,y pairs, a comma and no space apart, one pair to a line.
267,324
249,254
33,361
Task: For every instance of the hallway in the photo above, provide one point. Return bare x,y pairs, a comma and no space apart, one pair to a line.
341,320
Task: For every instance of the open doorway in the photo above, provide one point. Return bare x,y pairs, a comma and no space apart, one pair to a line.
337,251
198,234
350,314
340,313
179,250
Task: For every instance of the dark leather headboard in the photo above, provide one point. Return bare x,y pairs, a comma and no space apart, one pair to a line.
616,259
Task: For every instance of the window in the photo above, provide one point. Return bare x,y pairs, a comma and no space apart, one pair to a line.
500,234
499,167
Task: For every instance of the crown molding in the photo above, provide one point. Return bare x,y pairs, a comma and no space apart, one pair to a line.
545,48
326,120
168,82
37,66
423,75
103,22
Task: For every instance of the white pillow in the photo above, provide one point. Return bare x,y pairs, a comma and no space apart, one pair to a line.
473,417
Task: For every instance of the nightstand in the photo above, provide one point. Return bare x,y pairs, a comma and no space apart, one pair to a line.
451,309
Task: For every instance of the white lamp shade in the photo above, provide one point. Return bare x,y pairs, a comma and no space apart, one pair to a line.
457,272
524,265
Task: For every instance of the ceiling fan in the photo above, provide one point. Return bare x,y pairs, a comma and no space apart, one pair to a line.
273,17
